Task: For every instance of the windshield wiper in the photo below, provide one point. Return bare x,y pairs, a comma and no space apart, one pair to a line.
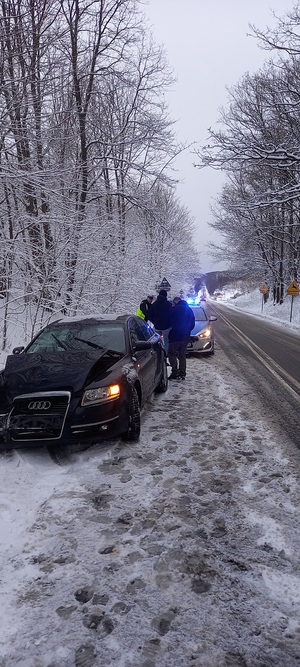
62,345
89,342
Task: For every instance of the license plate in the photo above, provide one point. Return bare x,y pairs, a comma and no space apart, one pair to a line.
35,422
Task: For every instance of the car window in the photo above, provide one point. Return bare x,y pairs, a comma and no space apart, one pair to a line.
147,331
200,315
109,337
44,342
80,336
139,331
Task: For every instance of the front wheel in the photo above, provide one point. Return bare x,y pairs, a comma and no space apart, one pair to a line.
134,425
163,383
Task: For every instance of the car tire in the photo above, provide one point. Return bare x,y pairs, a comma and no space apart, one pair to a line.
163,383
134,423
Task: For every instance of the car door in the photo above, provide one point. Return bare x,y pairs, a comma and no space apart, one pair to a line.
146,359
160,353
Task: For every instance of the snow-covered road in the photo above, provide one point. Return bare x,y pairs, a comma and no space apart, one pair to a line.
181,550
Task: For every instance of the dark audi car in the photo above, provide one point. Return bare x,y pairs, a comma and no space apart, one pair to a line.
80,379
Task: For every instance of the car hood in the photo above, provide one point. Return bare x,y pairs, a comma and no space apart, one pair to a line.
50,371
199,326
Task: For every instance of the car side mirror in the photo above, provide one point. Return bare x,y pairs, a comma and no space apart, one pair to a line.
213,318
18,350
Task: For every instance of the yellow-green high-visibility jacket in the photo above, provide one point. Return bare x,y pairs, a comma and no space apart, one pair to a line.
140,313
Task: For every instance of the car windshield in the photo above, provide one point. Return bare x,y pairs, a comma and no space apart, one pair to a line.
200,315
80,336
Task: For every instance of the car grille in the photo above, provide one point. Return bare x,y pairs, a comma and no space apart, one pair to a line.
38,416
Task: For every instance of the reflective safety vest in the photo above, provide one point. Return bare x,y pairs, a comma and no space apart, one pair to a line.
140,313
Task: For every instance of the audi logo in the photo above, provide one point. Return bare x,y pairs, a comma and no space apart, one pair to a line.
39,405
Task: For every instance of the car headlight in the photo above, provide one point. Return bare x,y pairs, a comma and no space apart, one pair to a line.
101,394
206,333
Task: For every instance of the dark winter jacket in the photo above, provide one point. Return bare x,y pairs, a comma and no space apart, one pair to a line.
159,313
182,322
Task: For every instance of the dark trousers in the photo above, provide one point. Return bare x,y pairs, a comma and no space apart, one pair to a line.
177,355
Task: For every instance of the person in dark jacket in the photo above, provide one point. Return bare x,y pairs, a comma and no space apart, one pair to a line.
182,323
144,307
159,315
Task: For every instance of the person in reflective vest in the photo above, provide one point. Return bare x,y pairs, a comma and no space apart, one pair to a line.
143,309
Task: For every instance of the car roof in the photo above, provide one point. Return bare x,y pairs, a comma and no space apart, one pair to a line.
104,318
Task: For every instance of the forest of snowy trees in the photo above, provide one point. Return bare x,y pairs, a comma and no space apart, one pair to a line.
89,217
258,149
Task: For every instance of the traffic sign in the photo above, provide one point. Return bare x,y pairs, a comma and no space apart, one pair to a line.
164,285
264,289
293,289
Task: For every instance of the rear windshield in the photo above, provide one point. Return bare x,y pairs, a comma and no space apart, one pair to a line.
200,315
80,336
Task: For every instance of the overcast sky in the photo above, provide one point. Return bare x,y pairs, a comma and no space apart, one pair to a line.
208,48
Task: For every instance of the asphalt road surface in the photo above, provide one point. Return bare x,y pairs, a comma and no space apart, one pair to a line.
267,356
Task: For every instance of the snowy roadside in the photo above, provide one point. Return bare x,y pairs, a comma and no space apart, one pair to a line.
278,314
182,549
